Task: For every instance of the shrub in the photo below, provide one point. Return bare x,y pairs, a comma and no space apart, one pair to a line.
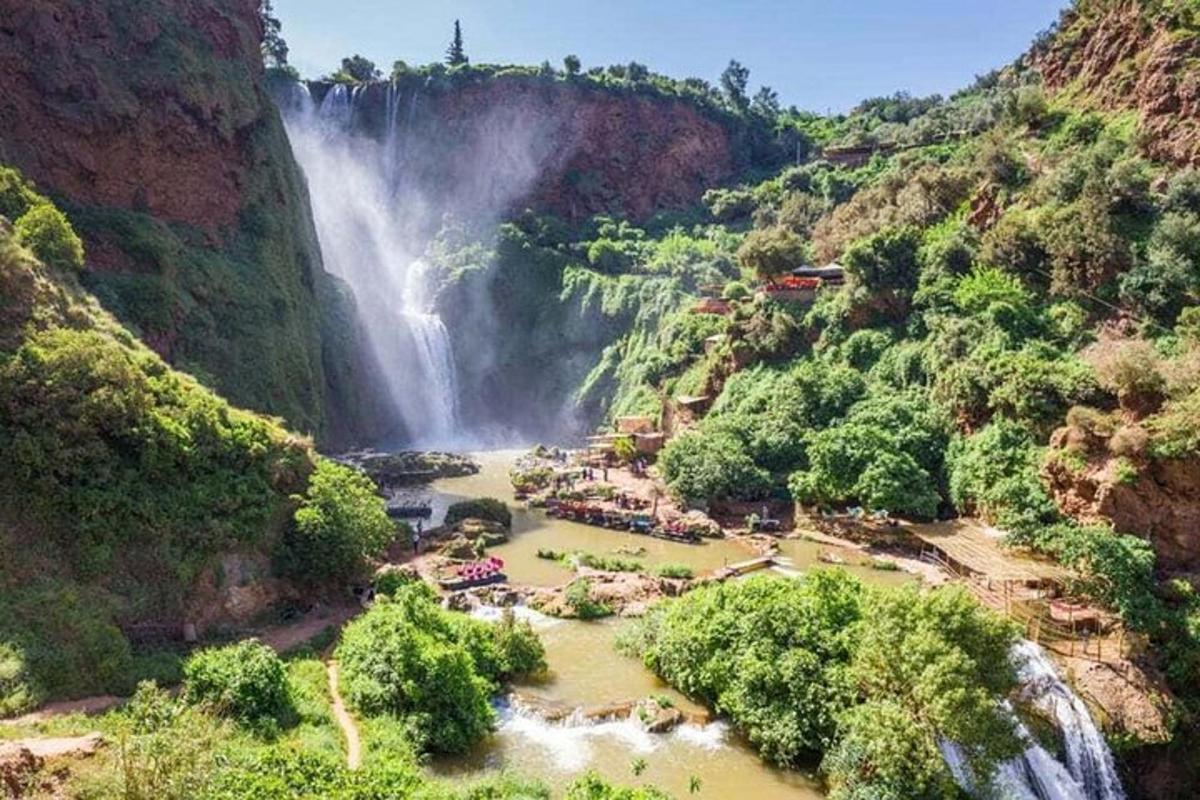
340,523
706,466
771,252
45,230
519,650
675,571
66,640
246,682
994,473
163,748
579,598
486,508
19,690
431,668
1129,368
16,196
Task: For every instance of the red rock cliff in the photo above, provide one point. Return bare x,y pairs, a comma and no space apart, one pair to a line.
1122,55
566,147
150,122
85,113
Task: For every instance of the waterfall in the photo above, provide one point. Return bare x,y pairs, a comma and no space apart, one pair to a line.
365,222
1089,772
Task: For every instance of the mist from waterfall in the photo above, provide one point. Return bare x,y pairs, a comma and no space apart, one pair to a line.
1087,772
374,218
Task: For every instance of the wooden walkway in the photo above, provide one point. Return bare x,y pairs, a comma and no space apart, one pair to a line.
966,544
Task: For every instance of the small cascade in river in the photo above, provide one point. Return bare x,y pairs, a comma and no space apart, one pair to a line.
364,217
1089,772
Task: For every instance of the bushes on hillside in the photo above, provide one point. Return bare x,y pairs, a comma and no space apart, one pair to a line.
341,522
245,682
432,668
771,252
486,508
122,452
65,637
45,230
994,474
19,689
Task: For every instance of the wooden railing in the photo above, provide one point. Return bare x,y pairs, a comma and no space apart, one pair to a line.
1039,627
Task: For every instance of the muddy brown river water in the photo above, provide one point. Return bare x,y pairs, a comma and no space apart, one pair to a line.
586,670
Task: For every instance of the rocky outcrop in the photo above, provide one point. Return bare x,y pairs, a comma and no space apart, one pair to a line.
626,594
1126,56
149,122
410,467
1156,499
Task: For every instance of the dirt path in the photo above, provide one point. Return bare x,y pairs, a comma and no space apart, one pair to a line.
53,747
280,638
63,708
344,720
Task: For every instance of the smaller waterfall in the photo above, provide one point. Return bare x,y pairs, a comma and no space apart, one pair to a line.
1089,772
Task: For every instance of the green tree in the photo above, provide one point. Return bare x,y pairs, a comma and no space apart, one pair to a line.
929,666
357,69
45,230
455,55
245,681
708,466
432,668
771,252
274,48
733,85
769,653
339,524
766,103
885,264
572,65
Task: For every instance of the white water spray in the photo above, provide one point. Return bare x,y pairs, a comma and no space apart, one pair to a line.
365,226
387,166
1089,772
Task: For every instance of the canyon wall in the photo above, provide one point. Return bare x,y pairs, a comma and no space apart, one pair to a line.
148,122
588,149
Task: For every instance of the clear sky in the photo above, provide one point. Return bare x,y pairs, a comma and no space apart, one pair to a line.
820,55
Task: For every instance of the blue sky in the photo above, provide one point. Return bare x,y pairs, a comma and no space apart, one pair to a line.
818,54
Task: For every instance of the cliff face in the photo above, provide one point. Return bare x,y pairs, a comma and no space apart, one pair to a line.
1134,55
149,123
565,147
1156,499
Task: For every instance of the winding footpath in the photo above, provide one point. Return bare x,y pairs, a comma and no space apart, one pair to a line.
344,720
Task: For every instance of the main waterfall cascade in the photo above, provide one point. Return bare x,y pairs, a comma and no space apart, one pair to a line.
1089,772
364,220
388,166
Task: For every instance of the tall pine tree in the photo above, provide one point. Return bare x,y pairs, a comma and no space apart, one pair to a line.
455,55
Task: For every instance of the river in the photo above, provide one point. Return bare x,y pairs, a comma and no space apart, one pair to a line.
586,670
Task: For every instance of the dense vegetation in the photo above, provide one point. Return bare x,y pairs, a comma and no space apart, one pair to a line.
185,747
870,679
431,669
124,479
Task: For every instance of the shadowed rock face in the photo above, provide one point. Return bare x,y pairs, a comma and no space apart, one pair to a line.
1125,59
